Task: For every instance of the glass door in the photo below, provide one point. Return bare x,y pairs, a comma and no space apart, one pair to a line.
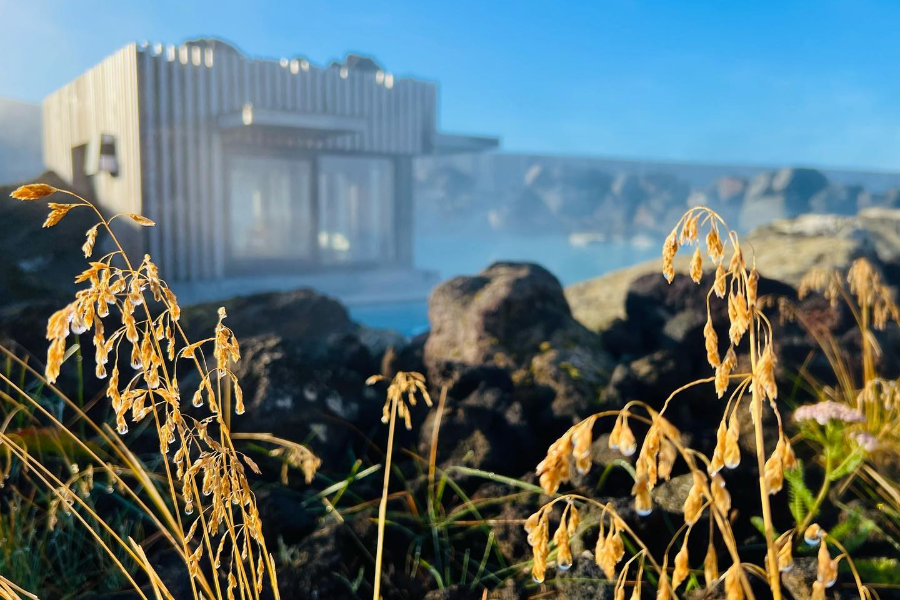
270,211
356,210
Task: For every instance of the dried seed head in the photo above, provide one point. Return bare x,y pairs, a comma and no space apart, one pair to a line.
788,458
720,496
609,551
766,373
827,569
739,317
554,469
55,354
689,230
733,588
818,590
647,459
600,553
711,565
668,453
737,260
541,549
643,501
720,284
615,434
693,504
785,554
752,287
57,212
663,590
718,457
732,452
563,553
813,534
531,524
670,249
774,471
33,191
627,442
714,246
723,371
712,343
582,438
573,521
681,570
697,266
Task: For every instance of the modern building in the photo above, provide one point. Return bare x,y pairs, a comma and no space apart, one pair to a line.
260,174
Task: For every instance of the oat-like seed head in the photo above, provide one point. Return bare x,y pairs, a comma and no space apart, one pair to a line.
33,191
681,564
711,564
733,588
827,568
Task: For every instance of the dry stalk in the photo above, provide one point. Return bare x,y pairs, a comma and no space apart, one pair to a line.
736,282
402,389
206,463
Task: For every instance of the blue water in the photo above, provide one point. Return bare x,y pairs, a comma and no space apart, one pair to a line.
466,255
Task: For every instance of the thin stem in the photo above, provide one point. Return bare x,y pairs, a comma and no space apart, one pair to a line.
382,508
820,497
771,554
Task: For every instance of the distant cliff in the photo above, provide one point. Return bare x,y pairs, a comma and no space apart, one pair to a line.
627,199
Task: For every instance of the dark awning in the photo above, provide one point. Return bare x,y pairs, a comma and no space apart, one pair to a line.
447,143
312,124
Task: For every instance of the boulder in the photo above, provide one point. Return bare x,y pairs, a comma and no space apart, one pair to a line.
784,250
303,369
514,316
483,426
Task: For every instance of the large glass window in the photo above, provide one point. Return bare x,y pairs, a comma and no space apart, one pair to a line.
270,212
356,199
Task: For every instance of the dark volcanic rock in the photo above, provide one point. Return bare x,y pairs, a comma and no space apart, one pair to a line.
515,317
326,560
462,592
515,361
484,428
584,581
303,369
36,263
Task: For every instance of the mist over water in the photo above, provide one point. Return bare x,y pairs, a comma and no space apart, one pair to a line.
452,255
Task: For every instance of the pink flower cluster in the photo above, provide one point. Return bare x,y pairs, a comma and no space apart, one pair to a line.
866,441
823,412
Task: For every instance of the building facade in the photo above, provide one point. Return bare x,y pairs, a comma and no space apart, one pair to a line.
250,167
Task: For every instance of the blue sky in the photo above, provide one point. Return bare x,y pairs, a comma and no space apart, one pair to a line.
760,82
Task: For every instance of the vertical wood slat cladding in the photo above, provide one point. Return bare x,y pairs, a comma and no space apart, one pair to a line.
163,105
102,101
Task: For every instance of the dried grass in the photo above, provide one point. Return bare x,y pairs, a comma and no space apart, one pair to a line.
215,525
737,282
